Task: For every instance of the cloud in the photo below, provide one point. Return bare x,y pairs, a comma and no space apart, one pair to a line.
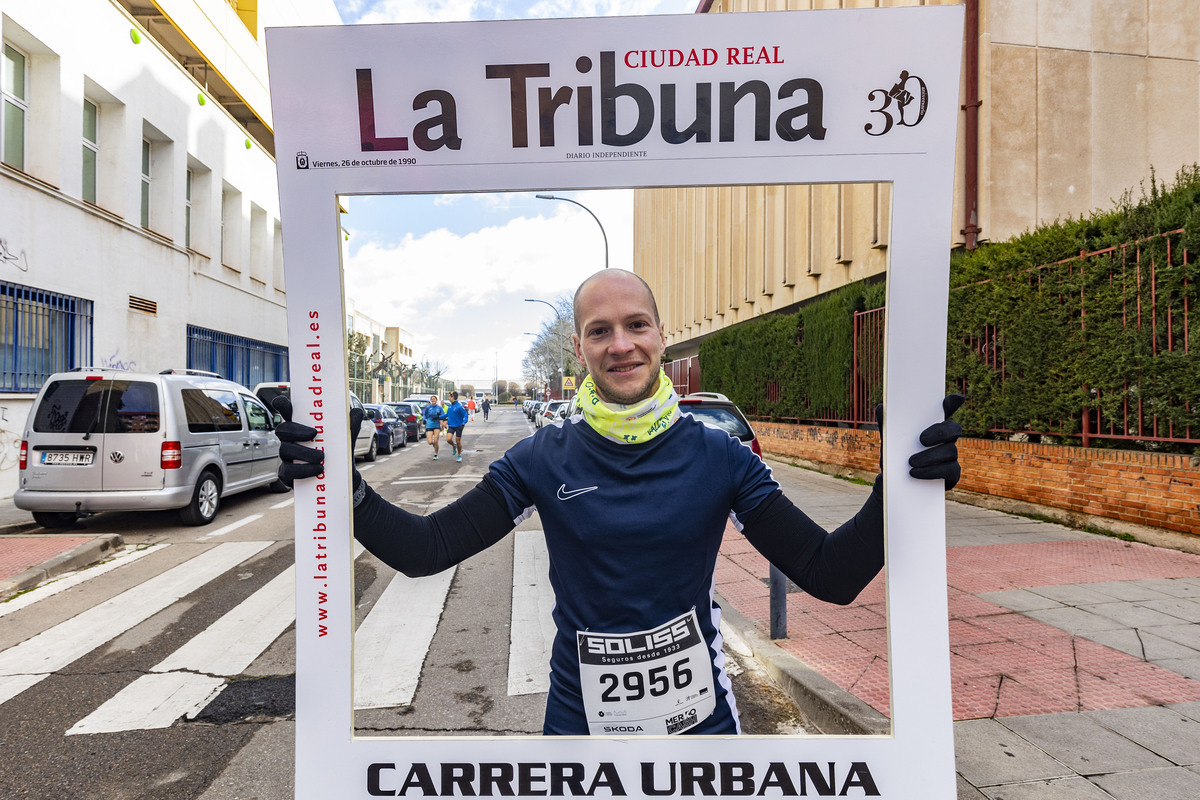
462,296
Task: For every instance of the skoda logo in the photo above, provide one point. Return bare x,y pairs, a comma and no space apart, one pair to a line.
116,456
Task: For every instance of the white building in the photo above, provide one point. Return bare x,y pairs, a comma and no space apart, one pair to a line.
139,217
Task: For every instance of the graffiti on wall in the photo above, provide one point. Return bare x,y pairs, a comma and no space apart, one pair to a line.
116,362
9,257
10,441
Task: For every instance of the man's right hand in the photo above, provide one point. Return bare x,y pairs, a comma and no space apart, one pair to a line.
290,434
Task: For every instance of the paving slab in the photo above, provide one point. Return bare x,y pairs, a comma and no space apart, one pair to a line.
1168,733
1175,587
1188,667
1074,620
1183,608
1082,744
989,754
1020,600
1171,783
1129,590
1144,645
1057,789
1185,634
966,791
1072,594
1132,615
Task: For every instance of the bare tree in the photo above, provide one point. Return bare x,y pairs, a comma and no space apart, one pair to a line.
552,353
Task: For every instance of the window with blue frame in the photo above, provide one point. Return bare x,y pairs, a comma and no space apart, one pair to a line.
236,358
41,333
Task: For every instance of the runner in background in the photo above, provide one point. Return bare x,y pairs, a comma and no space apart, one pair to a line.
487,406
471,408
456,420
435,418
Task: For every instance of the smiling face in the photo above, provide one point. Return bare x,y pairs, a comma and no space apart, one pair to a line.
618,336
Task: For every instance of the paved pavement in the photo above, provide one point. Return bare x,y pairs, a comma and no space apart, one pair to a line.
1075,657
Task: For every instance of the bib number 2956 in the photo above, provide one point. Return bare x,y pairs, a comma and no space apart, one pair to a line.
657,681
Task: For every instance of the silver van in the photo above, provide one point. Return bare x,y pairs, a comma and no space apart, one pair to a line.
109,440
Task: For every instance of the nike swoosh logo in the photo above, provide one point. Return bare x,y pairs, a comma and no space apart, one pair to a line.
565,494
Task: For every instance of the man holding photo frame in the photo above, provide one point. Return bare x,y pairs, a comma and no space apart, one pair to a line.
632,543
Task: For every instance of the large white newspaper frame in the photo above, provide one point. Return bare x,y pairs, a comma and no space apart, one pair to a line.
855,96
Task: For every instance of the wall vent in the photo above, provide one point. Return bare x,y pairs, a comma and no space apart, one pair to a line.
143,305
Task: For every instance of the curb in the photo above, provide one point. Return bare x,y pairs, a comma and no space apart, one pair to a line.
828,706
77,557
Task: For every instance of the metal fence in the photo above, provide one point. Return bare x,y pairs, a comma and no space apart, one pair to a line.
1165,319
1158,317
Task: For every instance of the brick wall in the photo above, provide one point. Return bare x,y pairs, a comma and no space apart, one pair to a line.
1151,489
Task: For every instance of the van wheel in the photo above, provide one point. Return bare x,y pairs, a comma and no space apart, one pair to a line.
206,501
54,519
373,450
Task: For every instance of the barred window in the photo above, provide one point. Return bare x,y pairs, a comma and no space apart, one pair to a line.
41,333
236,358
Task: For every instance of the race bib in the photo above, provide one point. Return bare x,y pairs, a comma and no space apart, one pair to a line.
652,682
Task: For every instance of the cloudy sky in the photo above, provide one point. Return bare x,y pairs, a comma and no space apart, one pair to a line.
455,270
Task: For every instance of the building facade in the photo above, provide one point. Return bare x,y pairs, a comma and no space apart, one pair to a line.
1066,105
139,216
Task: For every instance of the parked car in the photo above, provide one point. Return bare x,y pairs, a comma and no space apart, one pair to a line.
420,402
109,440
536,409
389,429
267,392
718,411
365,447
552,412
410,415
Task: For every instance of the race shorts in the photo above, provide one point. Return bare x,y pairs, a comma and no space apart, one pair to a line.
455,430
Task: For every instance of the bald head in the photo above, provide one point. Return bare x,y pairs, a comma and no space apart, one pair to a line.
600,283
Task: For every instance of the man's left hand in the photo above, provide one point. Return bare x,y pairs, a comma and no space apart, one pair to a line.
940,460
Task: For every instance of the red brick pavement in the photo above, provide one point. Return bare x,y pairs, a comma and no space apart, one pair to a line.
1002,663
22,552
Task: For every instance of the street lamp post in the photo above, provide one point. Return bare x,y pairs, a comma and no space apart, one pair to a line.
562,365
588,210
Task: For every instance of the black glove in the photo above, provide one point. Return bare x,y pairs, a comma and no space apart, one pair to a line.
940,460
290,433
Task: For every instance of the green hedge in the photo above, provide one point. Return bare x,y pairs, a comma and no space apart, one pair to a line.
1064,333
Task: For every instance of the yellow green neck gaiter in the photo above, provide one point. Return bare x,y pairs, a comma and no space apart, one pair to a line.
632,424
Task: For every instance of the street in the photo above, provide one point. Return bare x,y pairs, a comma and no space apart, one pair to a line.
169,670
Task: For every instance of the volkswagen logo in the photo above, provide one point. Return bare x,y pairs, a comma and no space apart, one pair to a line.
116,456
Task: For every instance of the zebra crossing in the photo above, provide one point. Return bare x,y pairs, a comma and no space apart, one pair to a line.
391,641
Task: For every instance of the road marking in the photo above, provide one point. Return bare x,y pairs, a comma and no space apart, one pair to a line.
152,701
391,643
75,578
532,633
233,526
56,647
225,648
438,479
285,503
232,643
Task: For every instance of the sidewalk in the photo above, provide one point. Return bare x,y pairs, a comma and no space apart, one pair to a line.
1075,657
30,554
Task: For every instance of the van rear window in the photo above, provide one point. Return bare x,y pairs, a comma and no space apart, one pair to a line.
211,410
104,406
